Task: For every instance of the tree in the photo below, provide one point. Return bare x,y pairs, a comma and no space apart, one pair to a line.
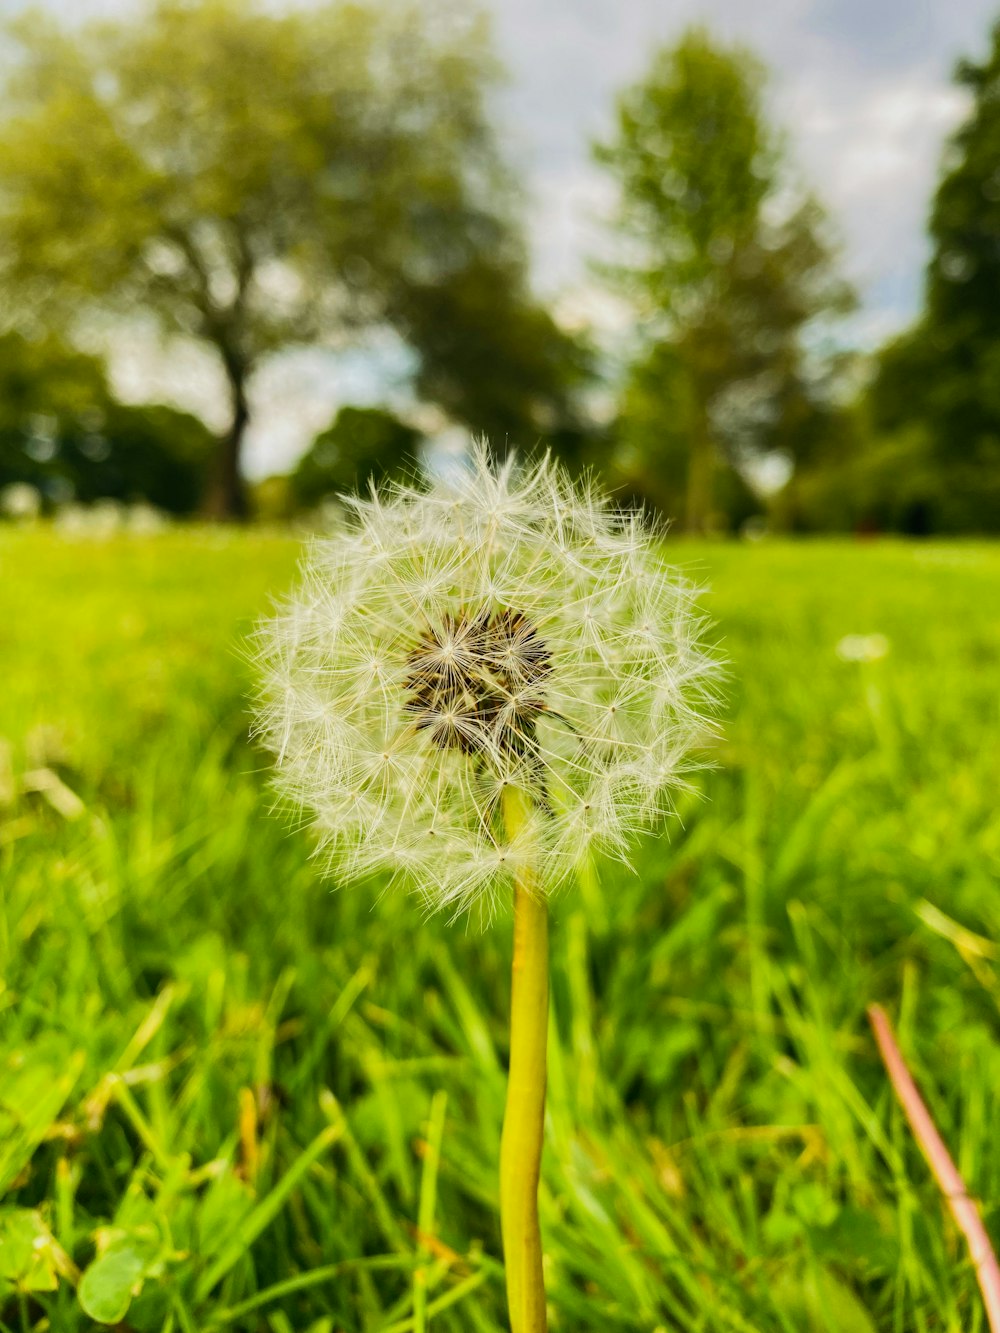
502,367
727,265
651,441
256,178
943,375
62,431
361,445
145,451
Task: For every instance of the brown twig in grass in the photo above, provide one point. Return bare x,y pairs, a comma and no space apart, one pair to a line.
950,1182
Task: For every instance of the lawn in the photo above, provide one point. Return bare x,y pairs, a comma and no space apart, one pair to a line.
232,1098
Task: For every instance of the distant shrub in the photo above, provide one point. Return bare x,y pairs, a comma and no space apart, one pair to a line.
897,484
361,445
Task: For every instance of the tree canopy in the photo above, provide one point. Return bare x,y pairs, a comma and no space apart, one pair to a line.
360,446
256,178
727,264
63,432
942,377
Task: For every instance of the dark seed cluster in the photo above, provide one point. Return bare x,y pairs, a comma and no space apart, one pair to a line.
476,683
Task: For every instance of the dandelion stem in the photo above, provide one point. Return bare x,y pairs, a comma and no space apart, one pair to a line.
524,1115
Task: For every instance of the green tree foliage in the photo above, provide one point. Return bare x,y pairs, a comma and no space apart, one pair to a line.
890,483
651,451
942,378
361,445
501,367
727,266
62,431
257,178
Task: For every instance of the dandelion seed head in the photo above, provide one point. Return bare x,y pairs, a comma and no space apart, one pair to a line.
507,627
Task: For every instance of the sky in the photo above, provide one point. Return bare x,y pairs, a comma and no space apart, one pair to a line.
862,89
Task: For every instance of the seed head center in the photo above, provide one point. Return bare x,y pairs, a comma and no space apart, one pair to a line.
476,683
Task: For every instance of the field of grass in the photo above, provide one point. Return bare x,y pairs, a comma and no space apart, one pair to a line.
231,1098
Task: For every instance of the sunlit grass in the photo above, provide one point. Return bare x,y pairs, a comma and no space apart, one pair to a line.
287,1100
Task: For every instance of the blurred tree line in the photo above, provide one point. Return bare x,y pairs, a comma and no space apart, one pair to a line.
254,180
920,452
63,432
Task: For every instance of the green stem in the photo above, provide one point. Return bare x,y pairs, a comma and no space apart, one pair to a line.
524,1115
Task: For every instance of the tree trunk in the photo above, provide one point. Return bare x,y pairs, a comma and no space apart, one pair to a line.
226,498
698,501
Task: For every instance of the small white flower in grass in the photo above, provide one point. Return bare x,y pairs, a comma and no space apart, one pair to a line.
505,628
862,647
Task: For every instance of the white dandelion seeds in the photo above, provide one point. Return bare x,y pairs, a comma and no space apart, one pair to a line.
506,628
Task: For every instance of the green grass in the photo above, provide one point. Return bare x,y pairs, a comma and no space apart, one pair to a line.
264,1105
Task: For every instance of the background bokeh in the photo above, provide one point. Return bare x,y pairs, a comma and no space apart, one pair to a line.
746,270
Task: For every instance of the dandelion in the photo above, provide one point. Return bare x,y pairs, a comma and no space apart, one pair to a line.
505,631
474,688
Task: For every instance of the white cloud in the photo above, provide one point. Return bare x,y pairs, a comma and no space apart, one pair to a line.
873,153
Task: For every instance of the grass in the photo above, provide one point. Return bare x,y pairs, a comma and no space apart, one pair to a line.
233,1099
